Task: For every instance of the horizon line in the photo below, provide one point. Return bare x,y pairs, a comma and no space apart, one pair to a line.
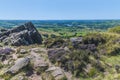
57,19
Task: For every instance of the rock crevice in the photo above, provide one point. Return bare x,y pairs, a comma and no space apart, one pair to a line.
22,35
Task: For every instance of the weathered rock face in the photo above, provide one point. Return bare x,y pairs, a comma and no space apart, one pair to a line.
23,35
39,64
19,64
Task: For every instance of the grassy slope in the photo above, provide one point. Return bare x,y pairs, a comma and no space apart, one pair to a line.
111,61
111,73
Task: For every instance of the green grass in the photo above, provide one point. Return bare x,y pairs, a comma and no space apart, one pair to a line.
113,60
66,32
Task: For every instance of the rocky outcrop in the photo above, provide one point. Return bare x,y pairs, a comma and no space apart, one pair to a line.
23,35
34,65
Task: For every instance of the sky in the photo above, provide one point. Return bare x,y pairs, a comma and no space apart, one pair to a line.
59,9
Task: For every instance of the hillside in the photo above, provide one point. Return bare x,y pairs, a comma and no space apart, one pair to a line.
61,53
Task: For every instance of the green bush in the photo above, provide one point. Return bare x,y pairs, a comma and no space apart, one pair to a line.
115,29
94,38
92,72
1,65
54,42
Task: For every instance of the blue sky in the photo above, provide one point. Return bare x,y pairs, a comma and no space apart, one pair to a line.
59,9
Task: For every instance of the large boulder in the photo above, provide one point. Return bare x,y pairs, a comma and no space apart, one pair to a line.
19,64
23,35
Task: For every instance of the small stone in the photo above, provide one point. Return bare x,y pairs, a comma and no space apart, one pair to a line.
23,51
56,72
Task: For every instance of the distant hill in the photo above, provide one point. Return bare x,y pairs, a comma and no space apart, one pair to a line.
96,24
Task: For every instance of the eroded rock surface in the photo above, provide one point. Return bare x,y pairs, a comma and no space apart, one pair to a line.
19,64
22,35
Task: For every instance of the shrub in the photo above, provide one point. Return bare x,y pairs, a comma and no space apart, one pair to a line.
94,38
115,29
53,36
1,65
92,72
45,35
51,43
